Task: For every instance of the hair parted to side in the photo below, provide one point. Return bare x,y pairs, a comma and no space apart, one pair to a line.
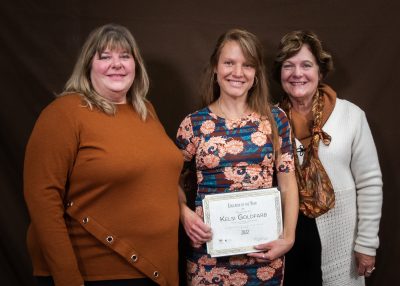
258,98
290,45
110,36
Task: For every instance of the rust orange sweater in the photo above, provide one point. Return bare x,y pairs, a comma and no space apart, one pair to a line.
102,195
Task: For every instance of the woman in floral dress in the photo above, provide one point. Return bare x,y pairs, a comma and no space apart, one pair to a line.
237,142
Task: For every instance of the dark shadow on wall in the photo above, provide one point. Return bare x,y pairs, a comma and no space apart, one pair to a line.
169,94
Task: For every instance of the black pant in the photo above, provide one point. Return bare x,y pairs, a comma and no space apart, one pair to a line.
48,281
303,261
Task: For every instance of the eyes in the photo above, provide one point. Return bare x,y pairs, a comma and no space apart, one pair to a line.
229,63
306,65
108,56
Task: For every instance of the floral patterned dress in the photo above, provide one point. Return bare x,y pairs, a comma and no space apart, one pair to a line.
233,155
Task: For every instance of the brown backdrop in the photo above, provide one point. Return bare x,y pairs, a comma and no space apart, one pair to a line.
40,40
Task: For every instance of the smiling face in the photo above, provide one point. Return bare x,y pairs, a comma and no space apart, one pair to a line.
300,75
112,74
235,74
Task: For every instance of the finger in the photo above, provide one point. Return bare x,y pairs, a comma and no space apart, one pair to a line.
196,238
259,256
201,233
264,246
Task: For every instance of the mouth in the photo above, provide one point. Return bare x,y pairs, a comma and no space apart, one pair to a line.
236,83
116,76
298,83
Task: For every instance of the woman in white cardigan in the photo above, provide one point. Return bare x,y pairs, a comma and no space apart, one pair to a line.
337,234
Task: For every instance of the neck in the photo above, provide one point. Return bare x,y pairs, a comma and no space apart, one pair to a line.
115,98
301,105
232,108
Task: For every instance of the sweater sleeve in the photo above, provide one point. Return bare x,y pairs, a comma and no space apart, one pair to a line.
49,159
368,180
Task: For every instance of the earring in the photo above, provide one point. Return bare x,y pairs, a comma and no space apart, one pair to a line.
255,81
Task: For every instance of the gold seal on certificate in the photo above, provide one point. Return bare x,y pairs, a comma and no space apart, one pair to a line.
241,220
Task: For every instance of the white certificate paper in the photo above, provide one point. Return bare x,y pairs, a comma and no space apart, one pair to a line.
241,220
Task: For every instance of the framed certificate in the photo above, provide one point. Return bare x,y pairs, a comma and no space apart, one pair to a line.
240,220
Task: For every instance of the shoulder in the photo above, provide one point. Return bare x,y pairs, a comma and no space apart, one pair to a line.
279,115
348,109
204,112
65,103
64,106
278,112
200,115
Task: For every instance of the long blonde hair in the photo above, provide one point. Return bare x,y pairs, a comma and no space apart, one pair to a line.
258,99
108,36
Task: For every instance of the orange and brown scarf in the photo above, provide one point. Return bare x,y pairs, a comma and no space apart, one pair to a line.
315,188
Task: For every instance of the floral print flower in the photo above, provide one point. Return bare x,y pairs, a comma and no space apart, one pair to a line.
265,273
234,147
191,149
207,127
206,260
191,267
211,161
285,163
236,187
277,263
238,260
215,275
185,129
238,279
265,127
234,174
259,138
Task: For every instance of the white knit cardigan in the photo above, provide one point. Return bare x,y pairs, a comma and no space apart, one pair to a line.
351,163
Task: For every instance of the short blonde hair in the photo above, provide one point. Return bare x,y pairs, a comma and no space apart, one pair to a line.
108,36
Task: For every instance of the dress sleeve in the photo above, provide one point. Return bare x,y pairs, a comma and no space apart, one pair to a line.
185,139
285,160
368,180
49,159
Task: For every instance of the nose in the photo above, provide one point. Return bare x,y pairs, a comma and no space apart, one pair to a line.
237,70
116,63
297,71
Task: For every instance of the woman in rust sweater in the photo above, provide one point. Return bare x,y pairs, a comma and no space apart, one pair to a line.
101,175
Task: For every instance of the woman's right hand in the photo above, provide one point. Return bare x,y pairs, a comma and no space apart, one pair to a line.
194,226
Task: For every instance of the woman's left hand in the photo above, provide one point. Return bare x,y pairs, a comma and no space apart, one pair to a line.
272,250
365,264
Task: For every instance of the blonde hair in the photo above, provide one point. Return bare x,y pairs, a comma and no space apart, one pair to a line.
108,36
258,99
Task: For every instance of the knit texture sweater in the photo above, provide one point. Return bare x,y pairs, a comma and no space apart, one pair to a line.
102,193
351,163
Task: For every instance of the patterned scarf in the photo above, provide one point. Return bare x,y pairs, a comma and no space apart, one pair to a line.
315,188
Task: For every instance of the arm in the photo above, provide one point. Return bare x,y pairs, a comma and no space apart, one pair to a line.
195,228
290,203
49,158
368,181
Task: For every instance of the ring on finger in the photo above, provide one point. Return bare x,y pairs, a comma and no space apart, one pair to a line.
371,270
